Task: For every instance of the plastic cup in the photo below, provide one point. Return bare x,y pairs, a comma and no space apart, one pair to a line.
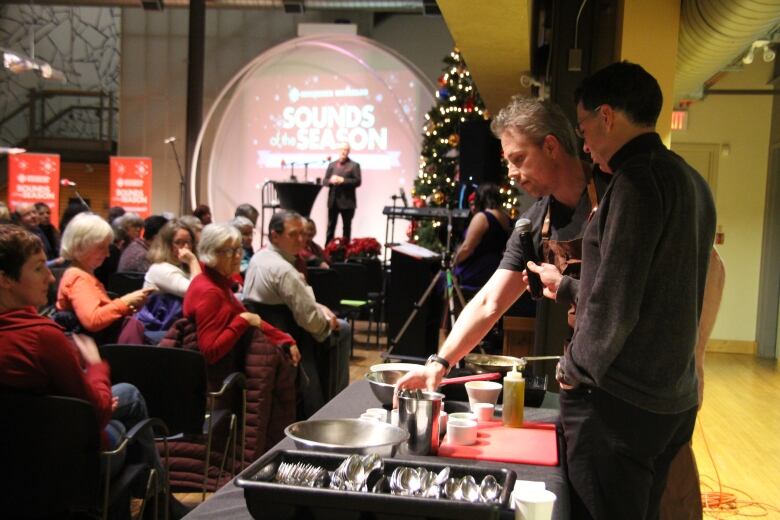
534,504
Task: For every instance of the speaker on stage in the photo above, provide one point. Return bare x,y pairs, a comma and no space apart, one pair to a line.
480,153
412,269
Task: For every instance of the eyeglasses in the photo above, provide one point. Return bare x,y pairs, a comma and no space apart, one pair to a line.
578,128
182,243
230,251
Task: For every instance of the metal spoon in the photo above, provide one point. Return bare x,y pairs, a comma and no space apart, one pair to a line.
469,489
489,489
452,489
355,472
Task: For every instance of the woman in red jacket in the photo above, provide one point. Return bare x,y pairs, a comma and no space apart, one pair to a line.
220,319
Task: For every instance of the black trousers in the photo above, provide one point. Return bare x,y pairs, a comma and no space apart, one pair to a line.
346,223
618,455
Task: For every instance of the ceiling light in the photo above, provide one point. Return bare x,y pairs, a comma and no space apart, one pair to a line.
765,45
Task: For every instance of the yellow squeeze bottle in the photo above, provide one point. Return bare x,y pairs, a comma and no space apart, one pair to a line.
514,399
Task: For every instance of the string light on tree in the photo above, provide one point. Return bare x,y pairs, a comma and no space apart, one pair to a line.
438,182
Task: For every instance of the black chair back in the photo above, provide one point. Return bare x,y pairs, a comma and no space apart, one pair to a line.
326,286
374,270
172,381
124,282
353,280
49,455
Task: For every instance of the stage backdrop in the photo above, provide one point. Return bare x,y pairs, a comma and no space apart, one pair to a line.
295,103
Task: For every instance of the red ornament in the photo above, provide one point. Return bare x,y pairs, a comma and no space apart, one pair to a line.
468,105
417,202
442,81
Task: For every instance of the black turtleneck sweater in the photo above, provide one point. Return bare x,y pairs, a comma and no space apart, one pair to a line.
644,264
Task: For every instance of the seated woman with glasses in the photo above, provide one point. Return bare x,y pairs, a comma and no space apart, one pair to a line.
174,264
220,319
85,243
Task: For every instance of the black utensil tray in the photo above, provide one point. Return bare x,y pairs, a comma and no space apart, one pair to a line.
267,499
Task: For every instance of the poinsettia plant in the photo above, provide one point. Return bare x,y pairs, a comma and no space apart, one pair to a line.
363,248
336,250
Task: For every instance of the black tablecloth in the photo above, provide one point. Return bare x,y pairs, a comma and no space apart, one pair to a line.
228,503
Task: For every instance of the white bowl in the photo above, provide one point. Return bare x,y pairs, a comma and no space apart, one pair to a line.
461,416
381,367
462,432
483,392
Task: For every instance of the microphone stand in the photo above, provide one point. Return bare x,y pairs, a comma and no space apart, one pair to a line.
78,196
182,181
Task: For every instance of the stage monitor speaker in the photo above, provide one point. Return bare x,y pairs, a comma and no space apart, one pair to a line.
480,153
409,277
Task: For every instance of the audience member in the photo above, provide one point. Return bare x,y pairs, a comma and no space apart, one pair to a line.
36,357
127,228
85,243
484,241
114,212
273,280
195,225
203,213
133,256
248,211
47,228
5,215
311,253
246,228
173,263
25,215
74,207
220,319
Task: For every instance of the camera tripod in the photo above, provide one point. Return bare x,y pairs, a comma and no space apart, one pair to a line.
452,289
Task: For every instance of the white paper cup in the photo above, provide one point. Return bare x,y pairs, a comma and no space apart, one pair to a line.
462,432
369,417
483,411
379,413
534,504
442,422
394,417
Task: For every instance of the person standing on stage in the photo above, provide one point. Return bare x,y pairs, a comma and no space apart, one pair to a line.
343,177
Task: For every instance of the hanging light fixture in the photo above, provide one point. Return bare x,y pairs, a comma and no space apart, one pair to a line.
18,63
765,45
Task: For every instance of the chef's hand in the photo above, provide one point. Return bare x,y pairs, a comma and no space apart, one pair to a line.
428,377
550,275
295,355
559,376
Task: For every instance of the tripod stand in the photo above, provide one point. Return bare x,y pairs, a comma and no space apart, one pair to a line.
452,289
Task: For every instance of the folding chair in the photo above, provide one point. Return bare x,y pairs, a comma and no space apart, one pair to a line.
173,383
51,458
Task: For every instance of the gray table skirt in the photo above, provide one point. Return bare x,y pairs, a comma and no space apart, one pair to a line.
229,504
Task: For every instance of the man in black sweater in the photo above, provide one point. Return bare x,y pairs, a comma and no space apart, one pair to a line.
629,382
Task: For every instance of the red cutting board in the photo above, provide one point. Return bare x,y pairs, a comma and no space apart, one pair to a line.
535,443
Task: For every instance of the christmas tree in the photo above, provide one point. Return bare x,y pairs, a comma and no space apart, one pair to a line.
438,182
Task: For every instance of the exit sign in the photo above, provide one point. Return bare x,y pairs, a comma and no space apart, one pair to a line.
680,120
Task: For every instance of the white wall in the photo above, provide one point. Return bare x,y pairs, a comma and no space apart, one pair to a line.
743,123
154,69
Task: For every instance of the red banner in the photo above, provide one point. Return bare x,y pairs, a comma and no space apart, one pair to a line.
131,184
34,177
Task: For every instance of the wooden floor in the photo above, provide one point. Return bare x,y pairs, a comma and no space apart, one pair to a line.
737,438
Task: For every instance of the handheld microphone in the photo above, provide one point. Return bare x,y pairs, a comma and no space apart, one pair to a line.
170,140
403,196
67,182
535,286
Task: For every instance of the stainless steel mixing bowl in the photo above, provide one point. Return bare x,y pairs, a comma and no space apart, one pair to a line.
383,384
347,436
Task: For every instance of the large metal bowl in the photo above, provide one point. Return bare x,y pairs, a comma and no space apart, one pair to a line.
347,436
383,384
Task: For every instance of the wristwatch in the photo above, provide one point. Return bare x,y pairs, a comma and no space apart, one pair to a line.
440,360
